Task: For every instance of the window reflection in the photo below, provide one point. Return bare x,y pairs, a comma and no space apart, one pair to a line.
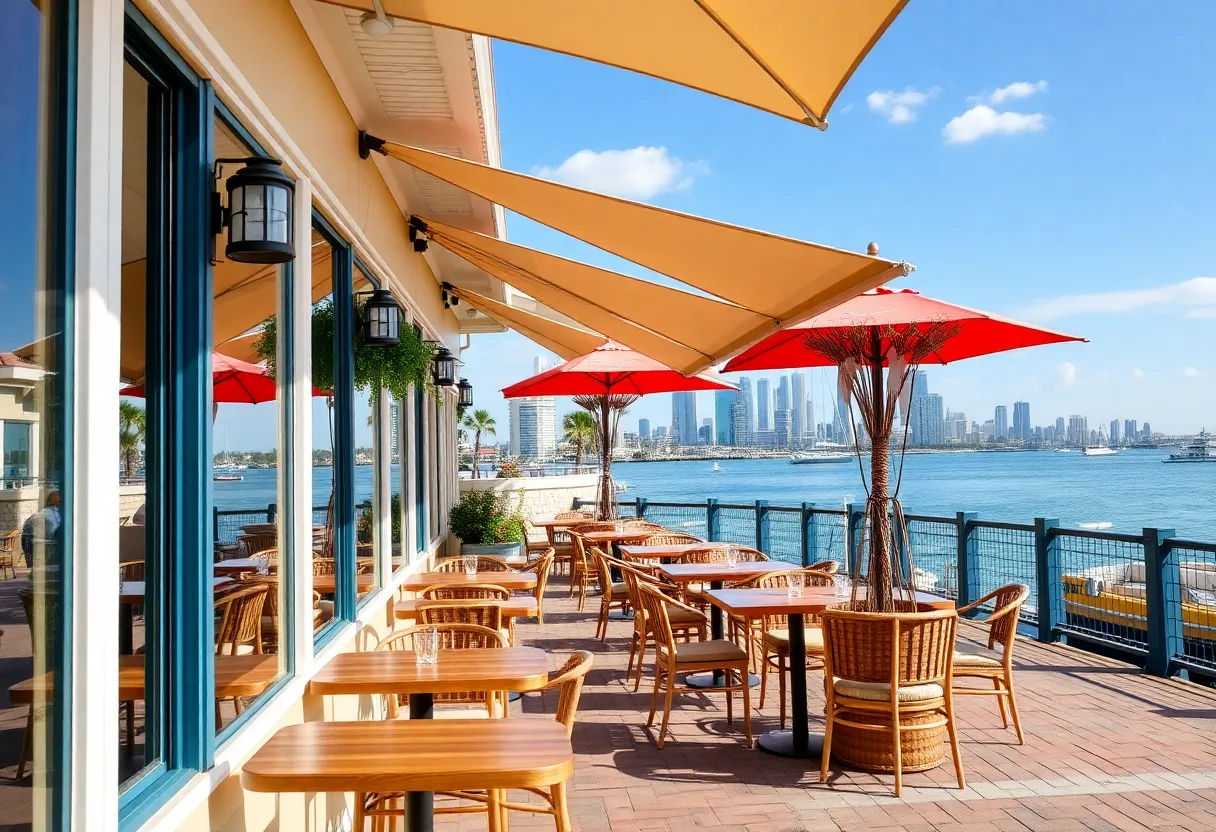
323,563
368,493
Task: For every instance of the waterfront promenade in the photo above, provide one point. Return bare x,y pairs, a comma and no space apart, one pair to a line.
1108,749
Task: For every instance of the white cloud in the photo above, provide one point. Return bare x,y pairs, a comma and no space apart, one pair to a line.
1018,89
1194,298
639,173
1191,372
899,107
1137,372
1066,373
981,120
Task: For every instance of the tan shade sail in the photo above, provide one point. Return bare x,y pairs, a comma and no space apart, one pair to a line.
566,341
788,57
685,332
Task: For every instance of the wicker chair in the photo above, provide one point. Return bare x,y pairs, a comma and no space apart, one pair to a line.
270,613
252,544
559,538
684,622
890,673
691,657
10,544
469,593
485,563
612,593
239,631
829,567
580,569
994,662
323,566
454,636
132,570
483,615
667,538
542,566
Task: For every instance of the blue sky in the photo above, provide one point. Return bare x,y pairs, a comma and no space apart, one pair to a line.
1017,154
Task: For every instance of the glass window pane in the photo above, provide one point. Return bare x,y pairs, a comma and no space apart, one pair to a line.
251,514
368,495
323,564
32,407
255,213
397,473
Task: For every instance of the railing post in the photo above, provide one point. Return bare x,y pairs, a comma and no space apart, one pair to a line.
762,526
968,558
640,507
577,504
271,511
810,535
852,525
215,525
1047,577
713,524
1163,592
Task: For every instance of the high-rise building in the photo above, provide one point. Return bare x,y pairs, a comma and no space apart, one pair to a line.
1061,429
842,430
705,434
534,423
764,404
1078,431
745,422
1021,421
1146,433
920,389
738,418
644,430
798,419
684,418
782,401
1130,433
781,428
1114,431
660,432
929,420
724,402
1000,422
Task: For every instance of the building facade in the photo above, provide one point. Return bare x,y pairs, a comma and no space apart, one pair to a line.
798,410
644,430
745,421
764,405
1000,420
1021,421
724,422
684,424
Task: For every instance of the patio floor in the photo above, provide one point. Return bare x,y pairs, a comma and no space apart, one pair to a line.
1107,748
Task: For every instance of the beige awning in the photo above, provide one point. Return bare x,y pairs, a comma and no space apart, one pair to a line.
566,341
683,331
789,57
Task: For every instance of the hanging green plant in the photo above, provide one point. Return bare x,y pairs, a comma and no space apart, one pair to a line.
395,369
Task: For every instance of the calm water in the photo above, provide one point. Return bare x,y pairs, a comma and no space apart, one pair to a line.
259,488
1130,490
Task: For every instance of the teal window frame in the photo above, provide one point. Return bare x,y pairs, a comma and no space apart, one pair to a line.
378,568
421,513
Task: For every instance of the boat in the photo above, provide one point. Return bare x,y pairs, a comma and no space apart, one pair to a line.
1063,450
1099,450
819,459
716,468
227,478
1198,451
1096,527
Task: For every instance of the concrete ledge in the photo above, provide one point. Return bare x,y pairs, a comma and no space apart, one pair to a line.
541,495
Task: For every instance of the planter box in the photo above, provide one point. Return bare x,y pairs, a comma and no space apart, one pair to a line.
510,552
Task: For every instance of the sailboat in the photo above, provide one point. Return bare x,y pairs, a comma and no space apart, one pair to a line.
715,468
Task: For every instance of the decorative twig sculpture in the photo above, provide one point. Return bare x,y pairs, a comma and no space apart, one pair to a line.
607,412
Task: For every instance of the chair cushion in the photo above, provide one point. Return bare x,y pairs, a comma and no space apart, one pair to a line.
971,655
707,651
781,638
680,617
619,590
881,691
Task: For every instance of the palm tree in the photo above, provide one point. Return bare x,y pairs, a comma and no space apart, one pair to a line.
478,421
132,420
578,428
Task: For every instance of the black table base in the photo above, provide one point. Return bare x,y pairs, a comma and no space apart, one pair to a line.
420,806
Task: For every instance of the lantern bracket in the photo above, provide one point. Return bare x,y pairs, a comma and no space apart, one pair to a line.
368,143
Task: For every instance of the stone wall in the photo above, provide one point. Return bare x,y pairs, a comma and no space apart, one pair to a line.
16,504
541,495
130,498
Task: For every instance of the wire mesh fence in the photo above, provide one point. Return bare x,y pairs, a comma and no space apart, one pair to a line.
737,524
826,540
933,542
1002,554
227,525
783,534
1194,587
1103,581
680,517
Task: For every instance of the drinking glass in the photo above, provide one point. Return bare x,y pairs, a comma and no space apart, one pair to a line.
262,564
793,587
470,565
732,557
842,586
426,647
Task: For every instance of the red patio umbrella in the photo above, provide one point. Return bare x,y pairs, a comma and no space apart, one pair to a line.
233,382
605,383
900,330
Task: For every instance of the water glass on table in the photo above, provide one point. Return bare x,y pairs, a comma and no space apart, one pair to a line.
793,586
732,557
426,647
842,586
470,565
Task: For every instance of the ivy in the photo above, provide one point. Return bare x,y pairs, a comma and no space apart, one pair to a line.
395,369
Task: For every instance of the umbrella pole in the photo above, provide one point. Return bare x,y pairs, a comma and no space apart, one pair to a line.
878,583
606,510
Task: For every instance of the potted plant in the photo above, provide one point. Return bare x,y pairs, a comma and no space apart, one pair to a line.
487,523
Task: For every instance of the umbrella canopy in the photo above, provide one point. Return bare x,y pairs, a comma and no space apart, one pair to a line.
613,370
979,332
233,382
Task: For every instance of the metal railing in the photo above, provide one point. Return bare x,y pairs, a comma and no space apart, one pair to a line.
226,525
1149,597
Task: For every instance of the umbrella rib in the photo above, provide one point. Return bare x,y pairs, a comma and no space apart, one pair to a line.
460,249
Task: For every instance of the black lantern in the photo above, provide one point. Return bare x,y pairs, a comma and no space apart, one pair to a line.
465,391
381,320
259,212
445,367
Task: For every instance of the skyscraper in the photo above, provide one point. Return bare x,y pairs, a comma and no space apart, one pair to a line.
1129,430
920,389
763,404
1078,431
724,423
705,434
684,418
744,420
644,430
1114,431
1000,422
1061,429
738,417
1021,421
781,427
798,419
1146,432
782,401
534,423
842,430
929,420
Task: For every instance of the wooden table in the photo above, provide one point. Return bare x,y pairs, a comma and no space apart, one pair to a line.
414,756
551,521
506,580
234,676
615,537
666,552
131,594
520,606
756,603
715,574
397,672
327,584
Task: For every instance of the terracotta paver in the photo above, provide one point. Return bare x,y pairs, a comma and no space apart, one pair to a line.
1107,748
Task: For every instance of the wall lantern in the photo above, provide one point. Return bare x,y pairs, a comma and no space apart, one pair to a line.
465,391
381,322
444,367
259,212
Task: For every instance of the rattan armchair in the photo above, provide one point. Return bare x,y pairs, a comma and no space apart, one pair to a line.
453,636
559,538
613,594
994,662
10,544
580,565
252,544
685,622
541,567
890,673
239,631
675,660
485,563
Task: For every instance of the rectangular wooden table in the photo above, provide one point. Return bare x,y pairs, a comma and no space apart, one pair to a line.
412,756
756,603
506,580
667,552
552,521
325,584
397,672
234,676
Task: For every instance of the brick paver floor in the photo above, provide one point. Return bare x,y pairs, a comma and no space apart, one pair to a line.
1107,749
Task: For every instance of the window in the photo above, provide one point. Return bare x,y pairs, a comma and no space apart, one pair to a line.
420,479
369,473
399,470
36,232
